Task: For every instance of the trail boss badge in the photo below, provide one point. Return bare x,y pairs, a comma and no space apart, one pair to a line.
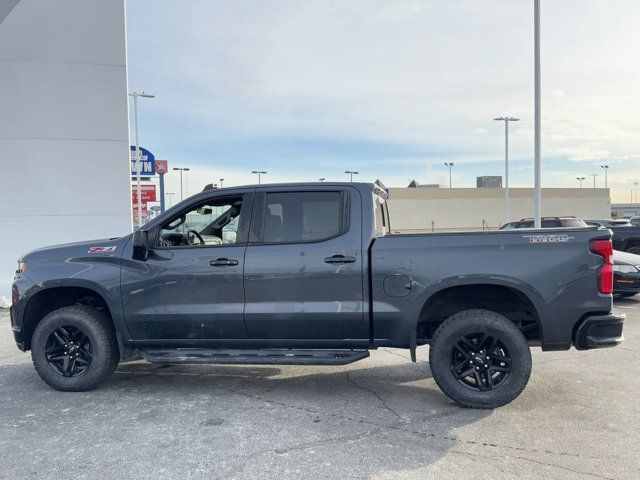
549,238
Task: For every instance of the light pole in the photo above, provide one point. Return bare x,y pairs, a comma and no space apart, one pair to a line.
181,170
636,184
450,165
352,173
580,179
606,170
322,179
170,195
259,172
506,121
536,102
135,96
221,180
594,175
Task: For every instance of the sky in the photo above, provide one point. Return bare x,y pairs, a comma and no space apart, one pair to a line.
392,89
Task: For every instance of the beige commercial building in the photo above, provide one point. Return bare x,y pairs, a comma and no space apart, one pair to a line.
441,209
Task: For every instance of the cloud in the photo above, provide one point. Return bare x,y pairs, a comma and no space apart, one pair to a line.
390,88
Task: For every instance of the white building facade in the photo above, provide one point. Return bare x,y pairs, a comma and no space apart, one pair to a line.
64,135
450,209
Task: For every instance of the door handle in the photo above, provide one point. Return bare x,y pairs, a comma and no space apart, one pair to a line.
339,259
223,262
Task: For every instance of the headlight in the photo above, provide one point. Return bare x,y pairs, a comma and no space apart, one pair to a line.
625,268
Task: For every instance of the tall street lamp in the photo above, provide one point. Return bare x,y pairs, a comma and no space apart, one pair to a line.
594,175
352,173
135,96
181,170
449,165
170,195
321,179
606,170
506,121
259,172
221,180
580,179
636,184
537,127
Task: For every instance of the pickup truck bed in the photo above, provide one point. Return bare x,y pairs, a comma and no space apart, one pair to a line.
542,279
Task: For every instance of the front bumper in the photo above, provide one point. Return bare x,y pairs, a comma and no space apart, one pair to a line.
599,331
17,329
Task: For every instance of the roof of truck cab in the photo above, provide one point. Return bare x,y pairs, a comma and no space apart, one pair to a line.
298,184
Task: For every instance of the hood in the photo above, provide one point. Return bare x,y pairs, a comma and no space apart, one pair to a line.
103,246
624,258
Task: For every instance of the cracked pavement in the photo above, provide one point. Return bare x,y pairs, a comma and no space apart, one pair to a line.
381,418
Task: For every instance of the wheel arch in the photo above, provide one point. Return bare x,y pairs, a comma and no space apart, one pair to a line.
518,304
52,297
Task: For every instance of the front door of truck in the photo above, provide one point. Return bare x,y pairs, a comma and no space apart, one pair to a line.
191,285
303,265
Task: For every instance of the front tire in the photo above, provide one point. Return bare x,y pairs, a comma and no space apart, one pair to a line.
480,359
74,348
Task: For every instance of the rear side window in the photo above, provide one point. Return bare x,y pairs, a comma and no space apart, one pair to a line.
575,223
302,216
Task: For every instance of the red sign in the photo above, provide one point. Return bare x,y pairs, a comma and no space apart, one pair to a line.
162,167
148,193
135,210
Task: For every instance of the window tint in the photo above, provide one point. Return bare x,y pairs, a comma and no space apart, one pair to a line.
301,216
575,223
210,223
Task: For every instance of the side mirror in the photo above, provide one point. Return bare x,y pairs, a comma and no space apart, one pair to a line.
140,244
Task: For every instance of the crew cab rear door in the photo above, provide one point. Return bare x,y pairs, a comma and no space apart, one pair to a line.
303,264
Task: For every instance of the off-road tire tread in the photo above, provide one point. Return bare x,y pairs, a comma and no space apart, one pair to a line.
102,365
501,396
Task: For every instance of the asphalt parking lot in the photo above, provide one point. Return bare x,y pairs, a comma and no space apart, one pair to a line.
380,418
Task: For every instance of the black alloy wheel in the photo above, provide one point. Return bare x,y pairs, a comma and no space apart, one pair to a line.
480,361
68,351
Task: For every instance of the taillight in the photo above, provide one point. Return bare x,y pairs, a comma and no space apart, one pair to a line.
604,248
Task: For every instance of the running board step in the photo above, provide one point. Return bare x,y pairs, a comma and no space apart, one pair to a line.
254,357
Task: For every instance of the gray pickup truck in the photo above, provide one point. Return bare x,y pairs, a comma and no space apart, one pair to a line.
310,274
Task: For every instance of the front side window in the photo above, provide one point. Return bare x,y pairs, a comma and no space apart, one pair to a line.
211,223
301,216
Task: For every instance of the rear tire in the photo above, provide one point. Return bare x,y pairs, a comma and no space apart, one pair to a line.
459,349
74,348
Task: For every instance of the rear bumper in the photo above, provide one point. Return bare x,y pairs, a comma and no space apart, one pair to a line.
600,331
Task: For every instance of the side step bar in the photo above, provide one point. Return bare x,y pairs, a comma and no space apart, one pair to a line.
254,357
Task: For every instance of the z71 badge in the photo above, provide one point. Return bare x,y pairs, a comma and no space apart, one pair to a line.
110,249
549,238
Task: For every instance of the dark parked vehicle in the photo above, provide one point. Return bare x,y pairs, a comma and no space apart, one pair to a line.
619,222
546,222
626,239
309,274
626,274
